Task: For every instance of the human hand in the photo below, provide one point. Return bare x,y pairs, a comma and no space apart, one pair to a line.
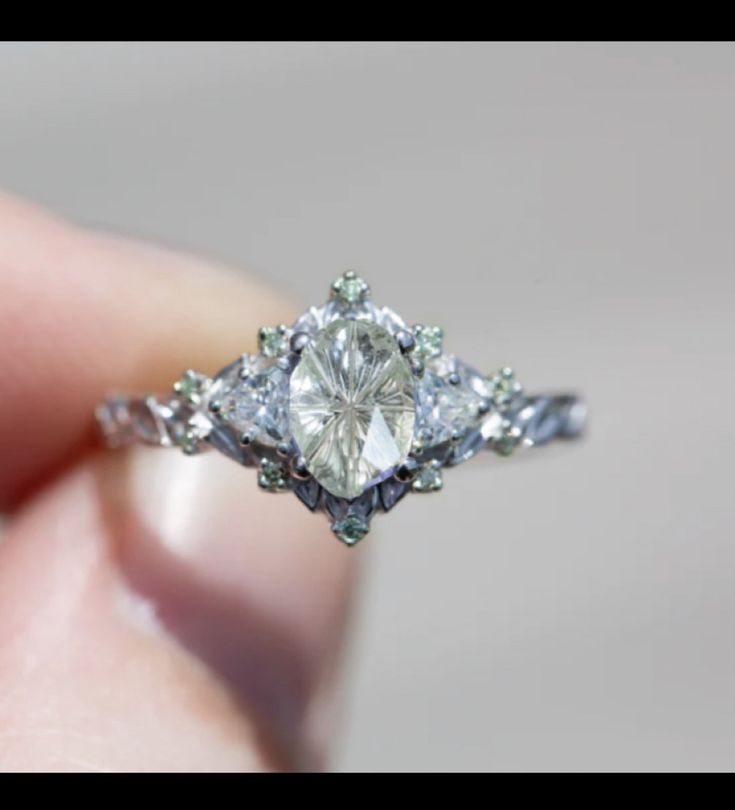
157,612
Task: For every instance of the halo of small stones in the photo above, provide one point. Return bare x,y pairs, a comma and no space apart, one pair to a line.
483,405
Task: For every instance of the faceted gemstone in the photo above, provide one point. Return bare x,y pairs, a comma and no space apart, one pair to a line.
351,529
508,441
429,478
316,318
504,386
428,340
350,288
310,322
191,386
351,407
449,398
123,421
273,340
189,435
230,445
272,476
188,442
385,317
252,396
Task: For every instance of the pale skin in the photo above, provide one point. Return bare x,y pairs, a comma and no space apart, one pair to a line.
157,612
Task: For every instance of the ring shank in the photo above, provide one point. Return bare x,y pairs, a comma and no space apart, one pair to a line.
544,418
162,420
148,419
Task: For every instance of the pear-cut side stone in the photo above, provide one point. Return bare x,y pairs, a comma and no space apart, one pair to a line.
445,408
252,397
351,406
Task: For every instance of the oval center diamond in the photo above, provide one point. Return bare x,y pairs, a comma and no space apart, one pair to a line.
351,406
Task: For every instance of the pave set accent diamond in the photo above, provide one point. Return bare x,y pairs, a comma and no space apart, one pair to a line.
348,408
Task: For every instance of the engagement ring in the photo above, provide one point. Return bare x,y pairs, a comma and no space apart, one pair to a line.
349,408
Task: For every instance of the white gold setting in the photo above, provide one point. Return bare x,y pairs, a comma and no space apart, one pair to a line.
349,408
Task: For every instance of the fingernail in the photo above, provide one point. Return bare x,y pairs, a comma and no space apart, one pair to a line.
247,581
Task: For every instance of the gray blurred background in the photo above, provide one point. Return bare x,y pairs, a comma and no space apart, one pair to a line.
568,209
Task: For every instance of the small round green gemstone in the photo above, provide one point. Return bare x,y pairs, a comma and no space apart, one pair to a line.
188,442
350,288
273,340
272,476
504,386
190,386
429,478
428,340
350,529
508,440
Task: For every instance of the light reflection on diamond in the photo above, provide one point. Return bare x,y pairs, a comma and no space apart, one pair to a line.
316,318
257,404
442,408
351,406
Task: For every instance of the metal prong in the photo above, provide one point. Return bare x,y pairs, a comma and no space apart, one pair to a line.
454,378
420,441
417,367
406,341
246,438
458,435
283,449
407,471
298,468
299,341
215,406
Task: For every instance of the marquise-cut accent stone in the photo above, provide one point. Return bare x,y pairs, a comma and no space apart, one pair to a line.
351,408
316,318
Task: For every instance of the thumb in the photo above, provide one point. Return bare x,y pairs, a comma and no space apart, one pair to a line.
157,612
